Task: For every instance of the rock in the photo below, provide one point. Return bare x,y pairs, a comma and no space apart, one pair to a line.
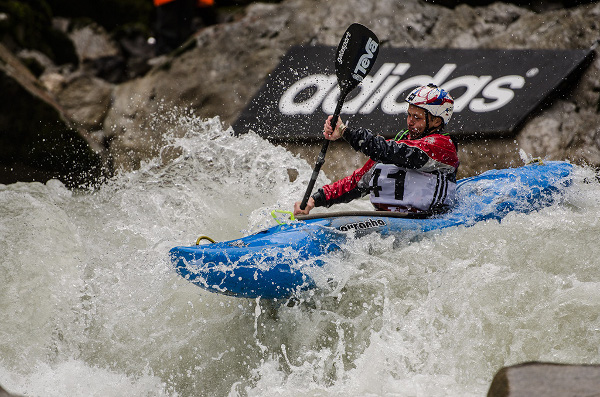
86,100
92,42
546,379
134,135
34,57
98,54
53,82
137,51
4,393
37,140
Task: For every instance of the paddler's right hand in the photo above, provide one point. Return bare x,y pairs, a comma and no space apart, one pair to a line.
310,204
329,133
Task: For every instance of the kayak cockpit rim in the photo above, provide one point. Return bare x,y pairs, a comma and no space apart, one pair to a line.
388,214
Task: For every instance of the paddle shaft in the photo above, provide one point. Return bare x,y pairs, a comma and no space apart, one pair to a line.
355,56
321,156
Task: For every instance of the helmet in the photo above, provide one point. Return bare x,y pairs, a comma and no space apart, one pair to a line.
435,100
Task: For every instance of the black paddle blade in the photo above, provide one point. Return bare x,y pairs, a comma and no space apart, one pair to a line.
355,56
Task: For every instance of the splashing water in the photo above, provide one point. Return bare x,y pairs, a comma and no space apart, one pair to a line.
91,305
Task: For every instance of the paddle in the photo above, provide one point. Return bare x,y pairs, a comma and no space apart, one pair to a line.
355,56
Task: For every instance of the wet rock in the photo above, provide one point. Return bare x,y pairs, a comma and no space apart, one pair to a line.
4,393
92,42
37,139
546,379
86,100
137,51
98,54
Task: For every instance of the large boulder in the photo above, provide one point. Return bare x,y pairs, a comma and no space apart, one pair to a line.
4,393
546,379
220,69
37,139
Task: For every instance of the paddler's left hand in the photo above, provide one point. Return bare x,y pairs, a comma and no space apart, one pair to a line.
331,135
310,204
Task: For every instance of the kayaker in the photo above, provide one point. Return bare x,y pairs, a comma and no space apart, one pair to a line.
414,172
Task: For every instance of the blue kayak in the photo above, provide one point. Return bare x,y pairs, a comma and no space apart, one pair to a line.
274,263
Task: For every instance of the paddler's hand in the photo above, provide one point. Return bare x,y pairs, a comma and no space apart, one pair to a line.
331,135
310,204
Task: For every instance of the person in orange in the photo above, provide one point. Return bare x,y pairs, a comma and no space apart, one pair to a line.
207,10
175,21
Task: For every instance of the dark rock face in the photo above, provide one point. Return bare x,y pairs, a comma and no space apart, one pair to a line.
37,141
28,24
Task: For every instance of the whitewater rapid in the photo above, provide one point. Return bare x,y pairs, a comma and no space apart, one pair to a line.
90,305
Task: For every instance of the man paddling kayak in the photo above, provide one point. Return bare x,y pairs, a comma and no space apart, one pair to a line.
414,172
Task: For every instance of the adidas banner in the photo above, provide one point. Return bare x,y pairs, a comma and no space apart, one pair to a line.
494,90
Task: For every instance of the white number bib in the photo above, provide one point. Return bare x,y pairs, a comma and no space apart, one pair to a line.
395,186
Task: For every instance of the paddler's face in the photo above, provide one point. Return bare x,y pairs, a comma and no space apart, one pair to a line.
416,121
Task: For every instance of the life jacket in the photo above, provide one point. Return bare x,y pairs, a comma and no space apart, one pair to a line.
399,189
430,188
403,174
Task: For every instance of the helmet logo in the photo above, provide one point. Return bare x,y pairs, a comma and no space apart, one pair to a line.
434,100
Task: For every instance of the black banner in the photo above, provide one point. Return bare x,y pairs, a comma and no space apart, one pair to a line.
494,90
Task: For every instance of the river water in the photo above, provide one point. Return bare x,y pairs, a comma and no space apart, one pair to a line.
90,305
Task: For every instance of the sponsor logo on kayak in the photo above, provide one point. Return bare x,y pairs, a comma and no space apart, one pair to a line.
368,224
494,90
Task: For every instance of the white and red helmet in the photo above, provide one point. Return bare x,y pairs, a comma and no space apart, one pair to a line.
435,100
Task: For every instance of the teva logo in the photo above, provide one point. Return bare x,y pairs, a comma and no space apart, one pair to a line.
386,90
365,60
368,224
